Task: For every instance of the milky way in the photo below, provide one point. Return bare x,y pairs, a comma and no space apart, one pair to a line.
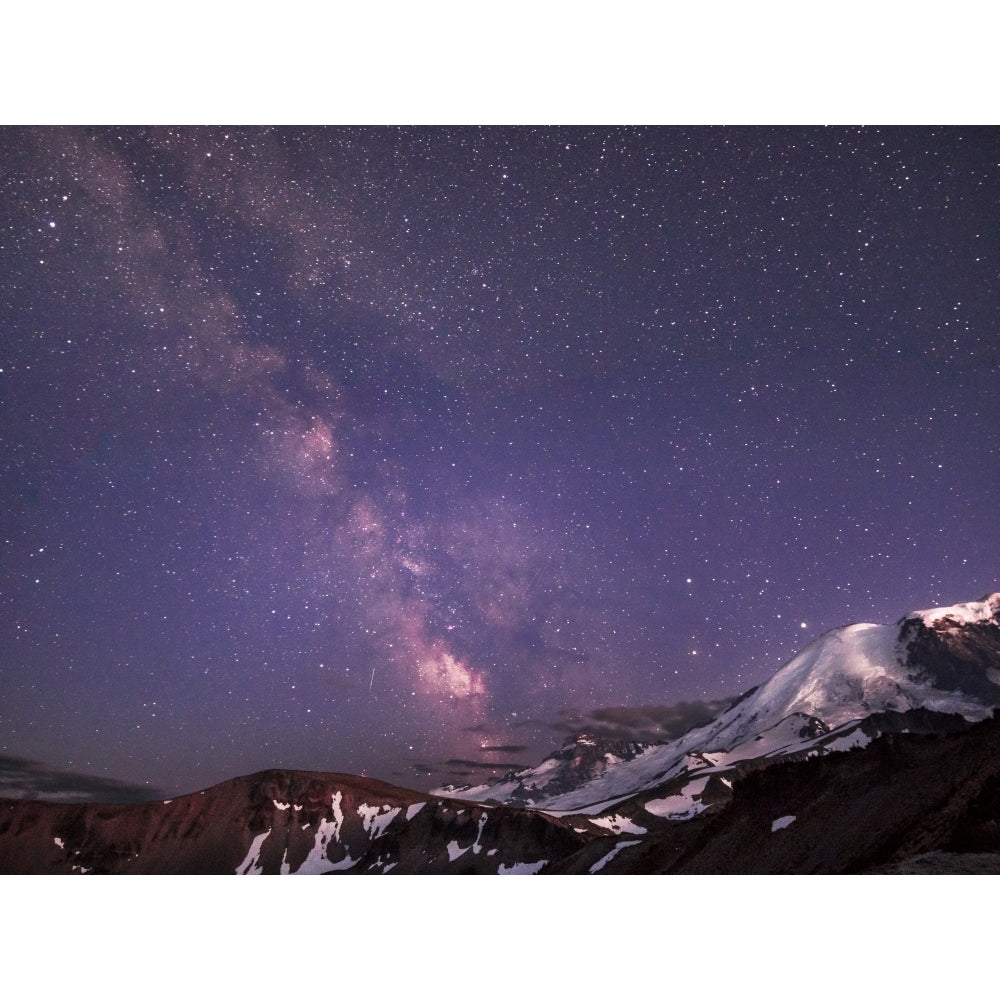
407,452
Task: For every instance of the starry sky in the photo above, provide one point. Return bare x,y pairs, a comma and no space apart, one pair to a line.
408,452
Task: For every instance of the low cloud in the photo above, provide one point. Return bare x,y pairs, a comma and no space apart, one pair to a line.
21,778
644,723
482,765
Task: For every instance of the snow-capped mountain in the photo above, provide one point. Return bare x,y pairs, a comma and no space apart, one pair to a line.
929,667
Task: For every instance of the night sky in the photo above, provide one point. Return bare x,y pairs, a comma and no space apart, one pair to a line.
409,451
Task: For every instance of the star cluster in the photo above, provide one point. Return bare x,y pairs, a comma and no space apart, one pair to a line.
379,449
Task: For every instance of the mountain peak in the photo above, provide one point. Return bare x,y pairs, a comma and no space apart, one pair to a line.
985,611
945,661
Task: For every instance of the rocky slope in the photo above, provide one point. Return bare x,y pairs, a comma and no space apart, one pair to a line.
282,822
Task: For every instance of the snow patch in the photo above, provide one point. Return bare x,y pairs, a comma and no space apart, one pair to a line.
327,833
375,820
522,868
317,862
58,841
618,824
613,853
336,866
851,741
781,822
477,847
412,810
682,805
251,865
455,852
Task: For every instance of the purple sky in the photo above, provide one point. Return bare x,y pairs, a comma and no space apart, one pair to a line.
401,452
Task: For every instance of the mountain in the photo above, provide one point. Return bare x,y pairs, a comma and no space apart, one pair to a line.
766,786
282,822
933,668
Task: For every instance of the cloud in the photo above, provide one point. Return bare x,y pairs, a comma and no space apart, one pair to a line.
644,723
21,778
459,764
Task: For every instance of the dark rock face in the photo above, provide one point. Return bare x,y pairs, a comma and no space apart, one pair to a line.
944,863
956,655
914,720
904,796
812,727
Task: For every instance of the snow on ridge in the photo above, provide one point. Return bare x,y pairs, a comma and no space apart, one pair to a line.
970,613
376,819
328,831
251,865
317,862
829,679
